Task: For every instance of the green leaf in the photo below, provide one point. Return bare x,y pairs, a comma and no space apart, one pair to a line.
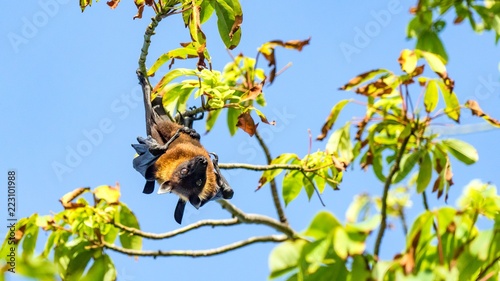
378,167
30,236
232,119
452,108
127,218
461,150
37,268
407,163
171,75
436,62
212,117
228,13
330,120
429,41
268,175
365,226
292,185
285,257
180,53
315,253
102,269
360,203
424,173
363,77
420,230
481,244
360,269
206,11
78,262
307,182
322,225
431,96
444,217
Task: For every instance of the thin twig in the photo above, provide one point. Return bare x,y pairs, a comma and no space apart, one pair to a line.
158,236
424,199
403,221
387,185
484,270
274,188
258,219
197,253
232,166
315,189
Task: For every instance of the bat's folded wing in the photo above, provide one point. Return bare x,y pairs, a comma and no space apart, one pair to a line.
143,163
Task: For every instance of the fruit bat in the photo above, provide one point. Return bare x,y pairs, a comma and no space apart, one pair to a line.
173,156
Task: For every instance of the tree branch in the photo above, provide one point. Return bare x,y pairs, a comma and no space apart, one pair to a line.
258,219
272,183
232,166
158,236
387,185
150,31
197,253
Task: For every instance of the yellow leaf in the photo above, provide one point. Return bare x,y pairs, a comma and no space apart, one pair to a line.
108,193
408,61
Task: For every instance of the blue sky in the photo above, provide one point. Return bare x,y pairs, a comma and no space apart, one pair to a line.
72,75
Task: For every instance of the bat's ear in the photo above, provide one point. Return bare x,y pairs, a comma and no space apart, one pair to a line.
165,187
195,201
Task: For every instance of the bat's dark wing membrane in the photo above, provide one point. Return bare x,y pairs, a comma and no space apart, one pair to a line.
179,210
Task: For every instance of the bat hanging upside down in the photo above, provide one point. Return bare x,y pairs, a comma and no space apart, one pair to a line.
173,156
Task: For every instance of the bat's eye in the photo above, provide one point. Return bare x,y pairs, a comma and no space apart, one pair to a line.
199,182
184,171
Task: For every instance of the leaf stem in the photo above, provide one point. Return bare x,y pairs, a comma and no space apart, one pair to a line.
387,185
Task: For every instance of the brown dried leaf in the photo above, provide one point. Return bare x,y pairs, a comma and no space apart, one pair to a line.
238,19
140,9
458,20
113,3
201,57
375,89
263,118
361,127
339,165
246,123
418,70
262,181
296,44
448,82
477,111
70,196
253,93
368,160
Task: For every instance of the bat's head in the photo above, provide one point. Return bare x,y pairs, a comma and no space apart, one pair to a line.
188,179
